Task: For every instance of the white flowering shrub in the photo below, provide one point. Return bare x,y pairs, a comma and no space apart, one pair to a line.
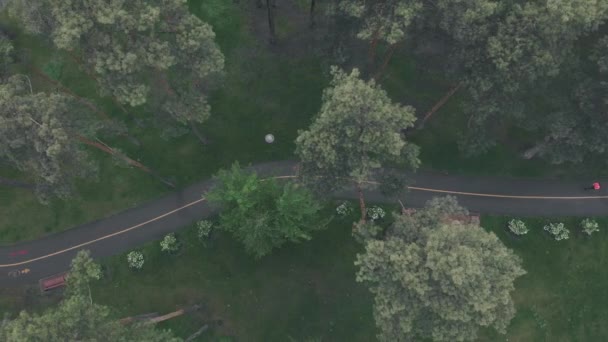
136,260
169,243
344,209
518,227
558,230
374,213
589,226
203,230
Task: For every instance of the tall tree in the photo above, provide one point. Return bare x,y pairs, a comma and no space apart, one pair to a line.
355,134
382,20
262,214
434,277
510,57
82,271
137,51
36,136
77,318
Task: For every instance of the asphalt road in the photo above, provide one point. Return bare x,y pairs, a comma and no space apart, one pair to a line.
27,262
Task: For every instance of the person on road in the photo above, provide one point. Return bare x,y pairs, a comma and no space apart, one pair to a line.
594,186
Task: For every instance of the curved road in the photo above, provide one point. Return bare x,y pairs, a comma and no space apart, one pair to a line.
27,262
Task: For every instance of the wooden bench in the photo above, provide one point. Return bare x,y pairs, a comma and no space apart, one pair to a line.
52,282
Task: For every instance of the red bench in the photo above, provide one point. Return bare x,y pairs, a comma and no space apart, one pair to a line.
52,282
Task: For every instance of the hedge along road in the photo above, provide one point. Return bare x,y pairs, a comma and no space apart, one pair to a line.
27,262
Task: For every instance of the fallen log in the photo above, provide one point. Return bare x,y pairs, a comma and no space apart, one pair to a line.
197,333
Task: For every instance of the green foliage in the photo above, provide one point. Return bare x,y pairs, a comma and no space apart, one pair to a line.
135,260
518,227
589,226
82,271
386,20
357,132
558,230
262,214
344,209
365,231
392,183
203,230
38,136
153,52
76,317
375,213
169,244
436,278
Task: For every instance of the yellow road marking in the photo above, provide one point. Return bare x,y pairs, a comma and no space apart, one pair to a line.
283,177
505,196
103,237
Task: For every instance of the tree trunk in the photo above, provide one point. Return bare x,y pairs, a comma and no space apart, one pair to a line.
197,333
128,160
439,104
131,319
270,7
312,13
372,49
533,151
388,57
172,315
78,61
66,90
361,203
198,134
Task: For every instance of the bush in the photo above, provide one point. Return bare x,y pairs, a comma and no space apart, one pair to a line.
363,232
558,230
136,260
344,209
169,243
375,213
518,227
589,226
203,230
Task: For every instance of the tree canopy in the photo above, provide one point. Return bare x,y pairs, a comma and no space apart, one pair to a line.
37,136
262,214
77,318
382,20
435,277
520,62
141,51
355,134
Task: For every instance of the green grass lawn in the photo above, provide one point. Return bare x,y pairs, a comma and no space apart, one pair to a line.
300,291
308,290
563,297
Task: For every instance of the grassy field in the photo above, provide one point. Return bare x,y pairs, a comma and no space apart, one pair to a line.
301,291
308,290
563,297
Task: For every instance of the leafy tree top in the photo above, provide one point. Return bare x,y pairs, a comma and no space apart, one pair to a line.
357,131
435,277
37,135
